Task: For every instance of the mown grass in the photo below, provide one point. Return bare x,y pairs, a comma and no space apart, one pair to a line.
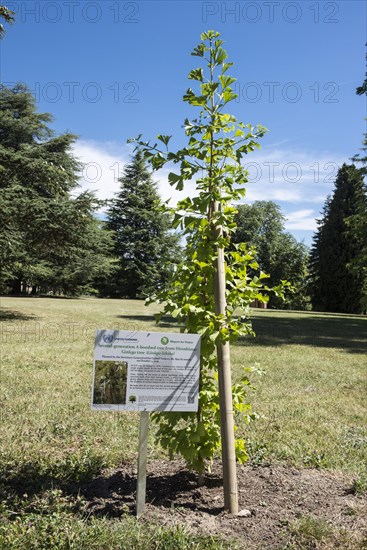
312,397
311,403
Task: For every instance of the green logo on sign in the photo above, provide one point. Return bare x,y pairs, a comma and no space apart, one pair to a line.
164,340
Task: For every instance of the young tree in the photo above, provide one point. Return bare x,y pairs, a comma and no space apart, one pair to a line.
143,243
334,285
206,292
45,235
262,225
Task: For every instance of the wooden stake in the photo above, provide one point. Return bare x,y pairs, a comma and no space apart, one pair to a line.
142,463
225,397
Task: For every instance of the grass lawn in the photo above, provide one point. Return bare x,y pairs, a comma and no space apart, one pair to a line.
311,401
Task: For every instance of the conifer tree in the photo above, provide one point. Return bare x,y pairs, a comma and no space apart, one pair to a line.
8,16
144,245
47,237
334,285
357,223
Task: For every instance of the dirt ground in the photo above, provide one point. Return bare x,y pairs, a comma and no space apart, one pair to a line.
275,496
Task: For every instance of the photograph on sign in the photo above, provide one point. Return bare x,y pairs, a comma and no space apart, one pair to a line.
110,380
145,371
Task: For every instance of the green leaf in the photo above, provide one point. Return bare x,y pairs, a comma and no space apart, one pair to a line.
165,139
226,80
173,178
200,50
197,74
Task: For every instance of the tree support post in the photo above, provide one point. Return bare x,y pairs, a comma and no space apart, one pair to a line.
225,397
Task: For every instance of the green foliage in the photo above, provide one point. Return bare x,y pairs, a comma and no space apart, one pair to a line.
362,90
49,239
340,244
216,144
277,252
143,243
8,16
197,438
357,224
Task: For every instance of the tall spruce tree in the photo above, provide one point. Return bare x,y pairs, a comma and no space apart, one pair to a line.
358,222
47,237
334,285
144,245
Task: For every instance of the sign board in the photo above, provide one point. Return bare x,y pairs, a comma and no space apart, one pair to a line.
145,371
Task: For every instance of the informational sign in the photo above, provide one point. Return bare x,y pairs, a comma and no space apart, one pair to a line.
146,371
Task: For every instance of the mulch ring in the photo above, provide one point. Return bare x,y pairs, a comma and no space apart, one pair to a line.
274,497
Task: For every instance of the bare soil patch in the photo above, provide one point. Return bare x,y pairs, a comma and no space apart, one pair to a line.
275,495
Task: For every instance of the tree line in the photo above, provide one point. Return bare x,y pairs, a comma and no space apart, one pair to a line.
52,239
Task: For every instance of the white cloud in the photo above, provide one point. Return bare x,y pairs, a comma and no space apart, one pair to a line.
278,174
291,176
301,219
103,163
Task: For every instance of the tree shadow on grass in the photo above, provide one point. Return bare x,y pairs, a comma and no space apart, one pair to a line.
12,315
113,493
116,494
165,322
348,333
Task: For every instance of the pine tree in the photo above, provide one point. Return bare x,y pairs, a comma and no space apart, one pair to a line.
46,235
334,285
144,244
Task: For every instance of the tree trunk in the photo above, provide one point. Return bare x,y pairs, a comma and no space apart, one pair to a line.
16,287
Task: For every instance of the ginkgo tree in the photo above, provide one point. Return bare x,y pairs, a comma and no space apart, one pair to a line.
211,290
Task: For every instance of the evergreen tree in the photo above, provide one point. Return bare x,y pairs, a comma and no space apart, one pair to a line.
334,285
144,244
277,252
357,223
8,16
46,235
362,90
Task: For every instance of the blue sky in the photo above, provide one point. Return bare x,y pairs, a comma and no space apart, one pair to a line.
110,70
